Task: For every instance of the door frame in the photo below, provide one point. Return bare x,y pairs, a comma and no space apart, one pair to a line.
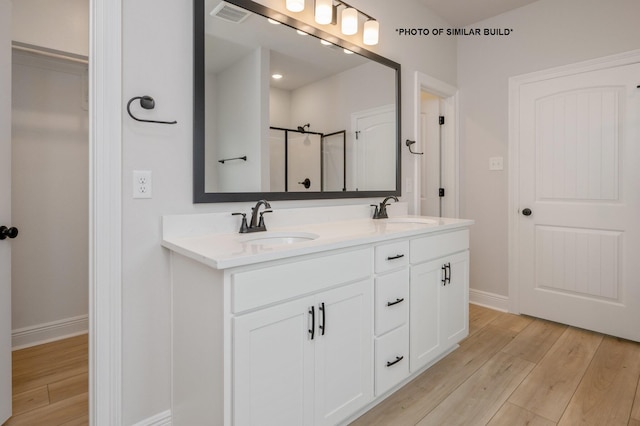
451,140
105,213
513,148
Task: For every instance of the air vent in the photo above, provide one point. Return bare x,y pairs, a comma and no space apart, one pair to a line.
230,13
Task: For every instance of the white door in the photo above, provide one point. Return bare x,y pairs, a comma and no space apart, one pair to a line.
374,154
579,178
430,201
5,209
424,311
274,364
344,352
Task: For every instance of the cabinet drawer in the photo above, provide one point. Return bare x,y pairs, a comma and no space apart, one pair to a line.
271,284
432,247
391,256
391,300
392,359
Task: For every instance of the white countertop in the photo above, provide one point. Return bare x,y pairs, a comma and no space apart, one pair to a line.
223,250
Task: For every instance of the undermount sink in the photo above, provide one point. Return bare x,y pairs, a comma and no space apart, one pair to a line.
278,238
412,220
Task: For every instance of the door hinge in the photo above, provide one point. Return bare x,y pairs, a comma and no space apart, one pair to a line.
357,134
441,120
441,192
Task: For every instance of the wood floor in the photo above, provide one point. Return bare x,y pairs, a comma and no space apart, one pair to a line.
50,384
517,370
511,370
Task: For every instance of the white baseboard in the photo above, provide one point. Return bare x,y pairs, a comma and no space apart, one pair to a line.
489,300
160,419
48,332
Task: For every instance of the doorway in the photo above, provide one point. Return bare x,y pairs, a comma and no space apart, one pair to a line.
575,202
50,208
436,150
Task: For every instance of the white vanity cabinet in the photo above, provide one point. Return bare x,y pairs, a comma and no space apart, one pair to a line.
304,362
316,333
439,293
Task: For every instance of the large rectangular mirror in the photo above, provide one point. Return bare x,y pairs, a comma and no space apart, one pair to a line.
328,128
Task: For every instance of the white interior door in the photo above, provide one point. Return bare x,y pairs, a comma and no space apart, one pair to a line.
430,201
375,150
5,209
579,176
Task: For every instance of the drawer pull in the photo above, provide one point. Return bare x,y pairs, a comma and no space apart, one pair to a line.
398,359
397,256
396,302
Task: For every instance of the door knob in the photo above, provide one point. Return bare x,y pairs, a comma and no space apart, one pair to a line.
527,212
8,232
306,183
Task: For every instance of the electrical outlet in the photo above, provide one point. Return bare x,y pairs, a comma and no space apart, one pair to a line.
496,163
141,184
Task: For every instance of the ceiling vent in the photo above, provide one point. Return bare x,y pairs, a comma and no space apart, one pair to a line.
230,13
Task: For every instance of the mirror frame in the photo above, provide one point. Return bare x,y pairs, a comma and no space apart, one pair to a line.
199,194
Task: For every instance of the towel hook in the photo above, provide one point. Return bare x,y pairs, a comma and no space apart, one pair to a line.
409,143
146,102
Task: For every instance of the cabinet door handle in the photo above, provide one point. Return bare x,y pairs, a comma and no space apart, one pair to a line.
448,265
444,274
398,359
312,330
324,323
396,302
397,256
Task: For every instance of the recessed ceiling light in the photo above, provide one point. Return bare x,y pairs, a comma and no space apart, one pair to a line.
273,21
276,76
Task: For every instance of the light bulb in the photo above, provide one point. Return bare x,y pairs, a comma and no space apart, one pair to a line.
295,5
371,31
349,21
324,11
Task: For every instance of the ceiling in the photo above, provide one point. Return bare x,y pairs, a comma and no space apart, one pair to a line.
461,13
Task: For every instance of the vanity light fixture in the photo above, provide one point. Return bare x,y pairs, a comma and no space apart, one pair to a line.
325,12
325,42
295,5
276,76
371,32
273,21
302,33
349,21
347,51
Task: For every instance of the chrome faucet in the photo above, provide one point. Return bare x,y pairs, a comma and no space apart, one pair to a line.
381,212
257,221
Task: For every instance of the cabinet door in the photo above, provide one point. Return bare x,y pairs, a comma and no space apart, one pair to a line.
454,300
344,352
273,366
424,314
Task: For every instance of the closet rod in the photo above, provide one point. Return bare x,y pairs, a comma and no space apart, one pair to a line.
58,54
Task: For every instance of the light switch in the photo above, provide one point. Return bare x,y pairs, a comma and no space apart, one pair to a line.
496,163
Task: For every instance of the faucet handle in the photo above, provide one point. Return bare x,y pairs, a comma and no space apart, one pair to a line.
244,228
375,211
261,222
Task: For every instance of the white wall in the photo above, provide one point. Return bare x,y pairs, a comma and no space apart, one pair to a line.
546,34
157,61
54,24
50,193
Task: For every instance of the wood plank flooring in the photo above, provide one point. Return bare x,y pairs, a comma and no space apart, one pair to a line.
517,370
511,370
50,384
